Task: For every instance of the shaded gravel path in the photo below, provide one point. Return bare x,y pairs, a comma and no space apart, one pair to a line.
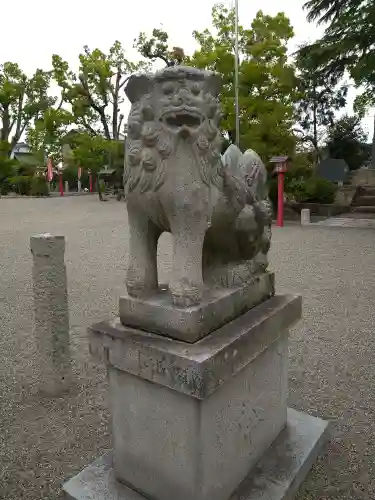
45,441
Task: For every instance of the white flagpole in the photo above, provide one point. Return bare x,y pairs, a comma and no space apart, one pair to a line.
236,57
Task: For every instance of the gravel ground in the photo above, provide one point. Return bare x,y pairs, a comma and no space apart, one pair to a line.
43,442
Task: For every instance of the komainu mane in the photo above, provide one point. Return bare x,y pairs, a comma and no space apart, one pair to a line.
175,179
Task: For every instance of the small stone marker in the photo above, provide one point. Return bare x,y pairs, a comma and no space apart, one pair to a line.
66,186
305,217
51,313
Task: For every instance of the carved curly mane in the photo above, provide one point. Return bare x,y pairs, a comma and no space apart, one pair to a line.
149,145
143,168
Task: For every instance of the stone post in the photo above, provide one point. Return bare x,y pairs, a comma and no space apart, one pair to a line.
66,187
305,217
51,313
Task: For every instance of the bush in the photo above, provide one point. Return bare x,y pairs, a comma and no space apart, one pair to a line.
318,190
304,190
70,175
39,187
5,188
312,190
21,183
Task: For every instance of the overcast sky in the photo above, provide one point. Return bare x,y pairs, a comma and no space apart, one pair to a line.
33,31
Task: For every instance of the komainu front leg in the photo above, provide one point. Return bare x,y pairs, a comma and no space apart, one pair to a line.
187,281
142,277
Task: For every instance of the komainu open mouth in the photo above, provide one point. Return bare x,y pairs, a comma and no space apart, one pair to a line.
182,117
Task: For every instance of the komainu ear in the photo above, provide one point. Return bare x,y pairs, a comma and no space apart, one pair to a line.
137,86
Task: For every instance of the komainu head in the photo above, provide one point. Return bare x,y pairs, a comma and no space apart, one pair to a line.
175,104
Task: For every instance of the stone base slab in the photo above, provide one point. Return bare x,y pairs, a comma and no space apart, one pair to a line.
277,476
157,314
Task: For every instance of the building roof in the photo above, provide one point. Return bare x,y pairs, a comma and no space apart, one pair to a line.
279,159
27,159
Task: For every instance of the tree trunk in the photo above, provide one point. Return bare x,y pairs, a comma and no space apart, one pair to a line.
315,129
373,148
115,106
6,149
4,132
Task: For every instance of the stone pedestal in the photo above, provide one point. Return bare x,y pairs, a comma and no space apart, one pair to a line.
219,306
191,420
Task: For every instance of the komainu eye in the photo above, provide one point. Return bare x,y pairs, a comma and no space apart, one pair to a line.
195,88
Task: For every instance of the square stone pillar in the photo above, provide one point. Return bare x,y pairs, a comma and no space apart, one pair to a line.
192,420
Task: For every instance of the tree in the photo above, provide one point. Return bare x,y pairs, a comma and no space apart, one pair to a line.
96,92
156,48
88,151
320,98
45,136
267,83
21,100
347,140
348,44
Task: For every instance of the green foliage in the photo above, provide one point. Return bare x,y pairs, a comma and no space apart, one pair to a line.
320,191
156,47
7,170
312,189
93,153
348,44
22,99
320,98
96,92
70,174
45,136
349,39
39,186
28,185
21,184
302,185
95,95
267,83
90,152
101,187
347,140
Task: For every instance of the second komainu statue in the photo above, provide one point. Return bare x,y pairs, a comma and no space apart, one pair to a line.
216,206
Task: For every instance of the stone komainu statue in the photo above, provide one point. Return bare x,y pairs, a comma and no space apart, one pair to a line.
175,180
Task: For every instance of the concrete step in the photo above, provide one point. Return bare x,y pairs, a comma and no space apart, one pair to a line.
364,209
364,200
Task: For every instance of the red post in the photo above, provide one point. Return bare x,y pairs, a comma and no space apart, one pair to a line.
280,199
281,163
61,186
90,181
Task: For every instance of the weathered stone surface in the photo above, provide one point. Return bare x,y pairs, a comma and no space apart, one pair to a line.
169,445
190,420
217,209
219,306
196,369
277,475
305,217
51,313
